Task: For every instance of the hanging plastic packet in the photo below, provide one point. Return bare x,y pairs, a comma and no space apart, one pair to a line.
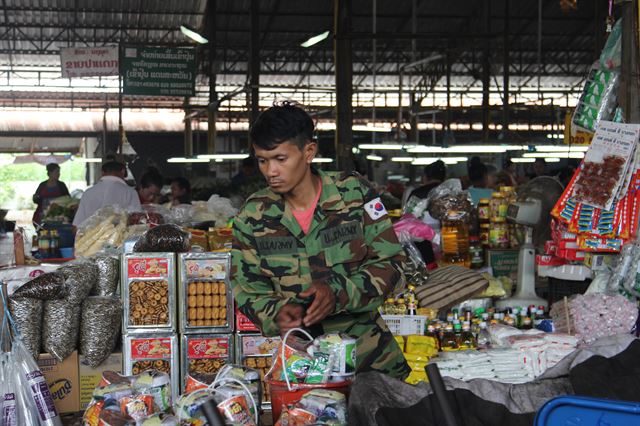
320,370
160,419
16,407
188,406
235,410
156,384
138,406
343,349
31,378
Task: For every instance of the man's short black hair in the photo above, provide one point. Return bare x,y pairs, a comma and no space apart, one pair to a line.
182,183
436,170
52,167
112,167
284,122
151,178
477,170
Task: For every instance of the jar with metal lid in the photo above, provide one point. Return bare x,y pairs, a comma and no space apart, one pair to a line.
496,206
499,234
484,234
484,210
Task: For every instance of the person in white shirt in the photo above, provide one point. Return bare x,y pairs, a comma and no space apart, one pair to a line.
110,190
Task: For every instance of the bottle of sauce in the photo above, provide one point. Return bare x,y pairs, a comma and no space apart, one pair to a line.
476,253
455,239
43,243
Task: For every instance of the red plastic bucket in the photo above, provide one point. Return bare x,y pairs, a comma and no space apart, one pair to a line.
282,396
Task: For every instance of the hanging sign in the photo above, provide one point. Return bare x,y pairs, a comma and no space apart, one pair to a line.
89,61
158,71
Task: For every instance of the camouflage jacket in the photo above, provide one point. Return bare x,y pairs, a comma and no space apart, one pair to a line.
356,253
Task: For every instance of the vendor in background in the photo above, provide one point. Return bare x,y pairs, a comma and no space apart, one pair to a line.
434,174
110,190
246,173
508,174
539,168
150,187
180,191
314,249
479,180
47,191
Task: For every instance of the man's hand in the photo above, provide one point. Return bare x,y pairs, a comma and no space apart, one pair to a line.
324,303
289,316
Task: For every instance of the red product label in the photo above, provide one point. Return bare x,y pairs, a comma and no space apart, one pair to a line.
547,260
215,347
151,267
243,323
159,348
550,247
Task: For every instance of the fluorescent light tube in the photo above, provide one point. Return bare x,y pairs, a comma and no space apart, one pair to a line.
193,35
315,39
186,160
374,158
223,156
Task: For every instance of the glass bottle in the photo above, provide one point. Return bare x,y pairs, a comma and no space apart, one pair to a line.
410,294
449,341
484,339
54,243
388,308
43,243
476,253
455,239
467,339
499,234
401,308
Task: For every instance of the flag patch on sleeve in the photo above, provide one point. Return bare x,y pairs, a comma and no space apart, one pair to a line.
375,209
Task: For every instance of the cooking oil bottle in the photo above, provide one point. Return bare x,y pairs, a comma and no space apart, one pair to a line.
455,239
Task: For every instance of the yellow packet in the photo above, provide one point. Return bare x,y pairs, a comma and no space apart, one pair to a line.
416,376
421,344
400,341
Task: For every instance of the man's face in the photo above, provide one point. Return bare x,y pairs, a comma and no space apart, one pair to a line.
55,174
285,166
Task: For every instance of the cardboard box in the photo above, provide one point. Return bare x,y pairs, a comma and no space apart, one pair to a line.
90,377
63,380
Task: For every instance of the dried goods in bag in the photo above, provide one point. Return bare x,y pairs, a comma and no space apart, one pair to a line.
80,278
163,238
44,287
27,314
108,275
60,328
99,328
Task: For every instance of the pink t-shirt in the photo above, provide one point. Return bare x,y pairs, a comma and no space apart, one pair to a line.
304,217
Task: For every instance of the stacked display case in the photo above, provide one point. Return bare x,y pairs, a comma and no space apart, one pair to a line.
205,315
150,318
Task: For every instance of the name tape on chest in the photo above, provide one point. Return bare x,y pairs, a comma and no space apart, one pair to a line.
276,245
375,209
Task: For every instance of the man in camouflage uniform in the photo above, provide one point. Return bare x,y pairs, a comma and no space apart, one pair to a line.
331,276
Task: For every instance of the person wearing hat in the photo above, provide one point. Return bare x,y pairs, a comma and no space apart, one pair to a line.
47,191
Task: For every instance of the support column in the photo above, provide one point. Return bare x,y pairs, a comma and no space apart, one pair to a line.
254,61
505,70
344,86
448,114
212,110
628,91
486,72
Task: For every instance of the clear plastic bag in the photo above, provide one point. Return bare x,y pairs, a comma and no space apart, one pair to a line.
102,231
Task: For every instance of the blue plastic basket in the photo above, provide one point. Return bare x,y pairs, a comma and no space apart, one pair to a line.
583,411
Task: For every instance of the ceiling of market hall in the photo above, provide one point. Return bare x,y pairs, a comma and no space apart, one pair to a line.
550,50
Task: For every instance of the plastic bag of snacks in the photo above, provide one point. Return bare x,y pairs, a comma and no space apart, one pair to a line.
318,406
163,238
124,399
